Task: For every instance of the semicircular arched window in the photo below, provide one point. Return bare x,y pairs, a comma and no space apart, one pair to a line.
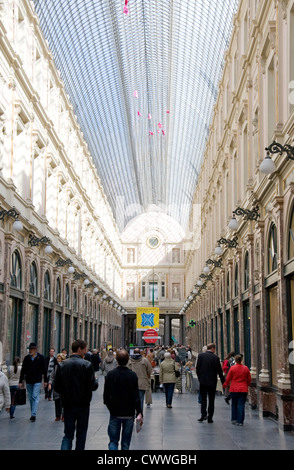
236,284
246,271
33,279
291,236
272,249
67,296
58,291
47,286
228,287
16,271
75,301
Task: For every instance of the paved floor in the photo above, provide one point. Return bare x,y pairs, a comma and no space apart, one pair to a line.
164,429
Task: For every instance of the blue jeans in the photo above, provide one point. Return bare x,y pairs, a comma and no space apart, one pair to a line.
238,406
13,389
33,394
114,429
142,395
75,419
169,391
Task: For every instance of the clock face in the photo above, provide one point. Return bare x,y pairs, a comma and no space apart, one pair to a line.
153,242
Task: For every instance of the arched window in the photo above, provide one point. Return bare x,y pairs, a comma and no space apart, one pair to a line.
236,283
246,271
16,271
47,287
58,291
228,287
272,249
291,236
33,279
67,296
75,301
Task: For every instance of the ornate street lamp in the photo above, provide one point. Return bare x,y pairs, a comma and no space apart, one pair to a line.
35,241
267,166
247,213
17,225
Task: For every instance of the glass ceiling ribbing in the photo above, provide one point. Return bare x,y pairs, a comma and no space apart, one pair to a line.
147,149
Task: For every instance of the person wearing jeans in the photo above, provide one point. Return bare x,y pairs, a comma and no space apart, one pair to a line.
239,379
117,426
121,396
167,377
76,419
75,381
33,371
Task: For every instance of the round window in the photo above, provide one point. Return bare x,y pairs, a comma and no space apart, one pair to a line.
153,242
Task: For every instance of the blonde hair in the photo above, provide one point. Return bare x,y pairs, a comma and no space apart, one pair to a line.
62,356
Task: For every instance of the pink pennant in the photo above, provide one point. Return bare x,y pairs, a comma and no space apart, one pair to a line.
126,10
139,114
163,133
167,112
135,94
150,132
149,116
159,125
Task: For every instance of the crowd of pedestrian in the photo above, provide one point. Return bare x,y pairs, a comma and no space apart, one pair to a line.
70,381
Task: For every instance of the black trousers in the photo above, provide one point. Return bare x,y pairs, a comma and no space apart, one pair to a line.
207,391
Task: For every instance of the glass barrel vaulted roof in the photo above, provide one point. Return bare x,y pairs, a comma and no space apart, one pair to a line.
143,86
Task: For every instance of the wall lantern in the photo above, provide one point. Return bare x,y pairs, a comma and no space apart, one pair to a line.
267,166
35,241
218,250
247,213
17,225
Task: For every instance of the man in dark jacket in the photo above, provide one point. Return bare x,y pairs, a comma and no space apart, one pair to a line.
208,367
33,371
75,381
121,396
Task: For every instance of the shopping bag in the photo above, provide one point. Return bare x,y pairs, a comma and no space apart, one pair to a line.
139,422
20,396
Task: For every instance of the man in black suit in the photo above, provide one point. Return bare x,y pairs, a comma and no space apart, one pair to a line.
208,367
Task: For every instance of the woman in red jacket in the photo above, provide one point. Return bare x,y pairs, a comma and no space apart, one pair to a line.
239,378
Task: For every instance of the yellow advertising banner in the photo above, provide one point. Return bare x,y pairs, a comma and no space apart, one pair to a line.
147,318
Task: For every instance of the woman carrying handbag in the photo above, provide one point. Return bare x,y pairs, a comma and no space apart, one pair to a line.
167,377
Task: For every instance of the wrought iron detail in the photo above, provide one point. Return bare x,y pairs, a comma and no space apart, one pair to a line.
61,262
207,277
249,214
217,264
11,213
35,241
78,276
230,243
275,147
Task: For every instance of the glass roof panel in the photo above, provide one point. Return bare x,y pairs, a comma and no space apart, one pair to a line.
148,149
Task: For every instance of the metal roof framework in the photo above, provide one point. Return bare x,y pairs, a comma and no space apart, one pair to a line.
143,86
